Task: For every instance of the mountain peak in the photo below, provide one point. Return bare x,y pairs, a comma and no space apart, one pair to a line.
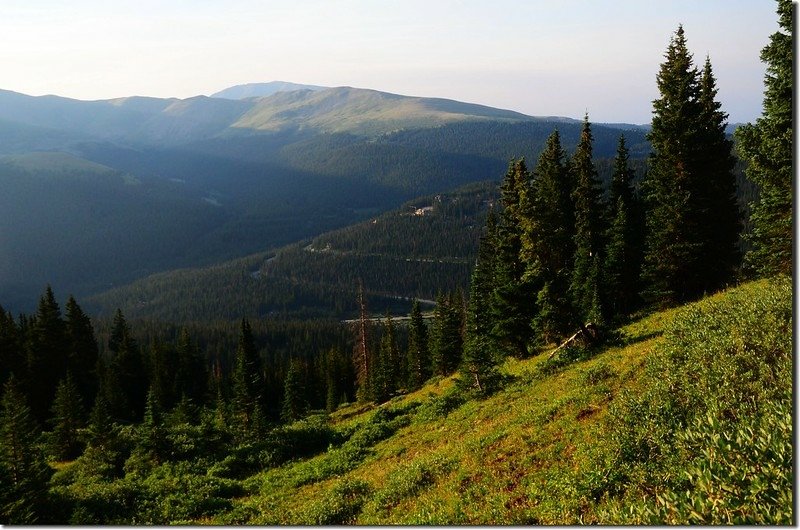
254,90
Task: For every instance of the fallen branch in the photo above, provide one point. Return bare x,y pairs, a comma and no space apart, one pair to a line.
588,330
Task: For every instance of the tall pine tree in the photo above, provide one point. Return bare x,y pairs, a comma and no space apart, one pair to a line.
511,310
720,214
766,146
68,418
447,340
479,363
585,286
548,244
624,238
247,378
47,355
126,382
82,351
294,402
691,218
23,489
418,354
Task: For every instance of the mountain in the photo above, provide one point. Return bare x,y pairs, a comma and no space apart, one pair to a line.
216,179
257,90
363,112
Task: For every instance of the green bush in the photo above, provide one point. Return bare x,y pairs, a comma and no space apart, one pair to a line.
710,432
301,439
383,423
340,505
439,407
408,481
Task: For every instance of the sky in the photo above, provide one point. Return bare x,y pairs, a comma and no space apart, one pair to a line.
538,57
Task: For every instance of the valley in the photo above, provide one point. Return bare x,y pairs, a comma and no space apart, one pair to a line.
205,183
299,304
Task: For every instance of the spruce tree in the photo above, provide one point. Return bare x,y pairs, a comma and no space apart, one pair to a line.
83,352
623,255
548,241
511,310
68,417
47,355
294,403
767,148
190,370
447,337
479,363
585,285
126,375
23,490
12,358
673,243
247,378
101,423
691,218
385,383
153,436
720,214
418,355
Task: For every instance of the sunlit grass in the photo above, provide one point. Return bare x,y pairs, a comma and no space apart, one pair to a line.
515,457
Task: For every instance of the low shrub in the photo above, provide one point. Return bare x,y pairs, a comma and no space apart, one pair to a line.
339,505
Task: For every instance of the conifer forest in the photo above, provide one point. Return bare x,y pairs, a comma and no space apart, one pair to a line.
600,335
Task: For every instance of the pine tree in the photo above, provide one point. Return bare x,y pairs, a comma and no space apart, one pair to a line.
548,241
511,310
126,375
23,490
47,355
161,373
153,432
720,214
67,418
338,378
691,218
247,378
585,286
294,403
82,350
447,338
767,148
386,369
419,359
623,254
479,363
190,370
101,423
12,358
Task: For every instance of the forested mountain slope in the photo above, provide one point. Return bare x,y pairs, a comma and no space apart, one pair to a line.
212,187
426,246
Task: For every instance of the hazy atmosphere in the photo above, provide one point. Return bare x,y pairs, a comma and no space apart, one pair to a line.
535,57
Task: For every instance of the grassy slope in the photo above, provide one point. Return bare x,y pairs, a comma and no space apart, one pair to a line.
510,459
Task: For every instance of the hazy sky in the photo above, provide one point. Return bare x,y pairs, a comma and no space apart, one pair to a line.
540,57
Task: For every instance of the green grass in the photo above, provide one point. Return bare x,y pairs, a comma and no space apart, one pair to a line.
548,447
683,416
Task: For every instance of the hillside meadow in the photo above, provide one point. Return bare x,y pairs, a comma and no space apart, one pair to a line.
682,416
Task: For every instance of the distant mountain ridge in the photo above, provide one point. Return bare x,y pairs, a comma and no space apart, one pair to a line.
257,90
171,121
99,193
